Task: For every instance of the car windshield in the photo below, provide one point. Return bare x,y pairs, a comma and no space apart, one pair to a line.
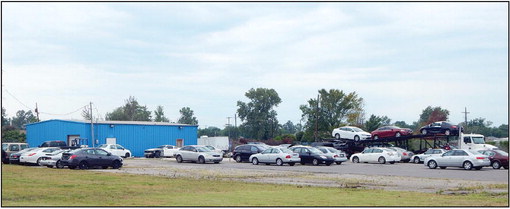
4,146
333,150
103,146
501,152
315,150
203,149
162,146
357,129
478,140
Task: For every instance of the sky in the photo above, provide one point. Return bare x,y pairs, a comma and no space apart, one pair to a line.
399,57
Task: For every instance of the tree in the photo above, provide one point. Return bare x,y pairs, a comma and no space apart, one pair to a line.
22,118
375,122
187,116
86,114
289,128
433,114
209,131
335,109
258,115
5,120
131,111
160,115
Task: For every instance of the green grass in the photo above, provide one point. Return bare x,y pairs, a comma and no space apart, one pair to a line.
32,186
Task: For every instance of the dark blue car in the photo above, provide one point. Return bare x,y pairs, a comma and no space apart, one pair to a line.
86,158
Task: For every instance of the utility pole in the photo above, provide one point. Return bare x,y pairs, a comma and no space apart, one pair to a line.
37,112
92,126
465,115
228,125
317,119
235,125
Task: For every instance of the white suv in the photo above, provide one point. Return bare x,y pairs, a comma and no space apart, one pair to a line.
116,149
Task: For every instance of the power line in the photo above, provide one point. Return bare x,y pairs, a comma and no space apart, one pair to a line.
65,113
17,99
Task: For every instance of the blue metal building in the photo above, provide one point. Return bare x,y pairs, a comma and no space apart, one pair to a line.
133,135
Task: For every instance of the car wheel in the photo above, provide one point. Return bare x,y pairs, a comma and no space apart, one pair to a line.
238,158
416,160
424,132
83,165
356,138
315,162
376,137
116,164
201,160
255,161
443,167
496,165
279,162
292,164
398,134
338,163
127,155
432,164
355,160
478,168
178,158
39,161
381,160
337,136
447,132
157,155
467,165
59,164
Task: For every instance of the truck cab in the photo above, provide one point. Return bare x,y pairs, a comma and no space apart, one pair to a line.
475,142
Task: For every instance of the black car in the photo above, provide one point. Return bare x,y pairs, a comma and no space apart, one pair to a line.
90,157
242,153
312,155
5,159
440,127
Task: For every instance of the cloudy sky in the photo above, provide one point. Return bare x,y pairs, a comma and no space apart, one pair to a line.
400,57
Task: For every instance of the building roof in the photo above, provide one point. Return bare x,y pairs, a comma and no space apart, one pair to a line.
122,122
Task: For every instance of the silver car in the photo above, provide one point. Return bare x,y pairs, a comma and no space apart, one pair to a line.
405,156
462,158
276,155
337,155
419,158
197,153
53,159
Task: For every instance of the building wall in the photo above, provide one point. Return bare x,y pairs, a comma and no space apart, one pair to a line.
136,138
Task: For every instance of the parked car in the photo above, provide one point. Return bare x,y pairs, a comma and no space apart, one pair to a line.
53,159
86,158
376,155
419,158
243,152
9,148
390,131
338,156
440,127
34,156
14,157
350,132
197,153
463,158
312,155
275,155
161,151
214,149
116,149
498,158
405,155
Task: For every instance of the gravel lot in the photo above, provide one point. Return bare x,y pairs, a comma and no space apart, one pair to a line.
399,176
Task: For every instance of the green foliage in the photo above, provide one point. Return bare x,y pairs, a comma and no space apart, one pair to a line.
187,116
375,122
5,120
433,114
285,139
209,131
299,136
334,110
11,134
258,115
481,126
160,115
22,118
289,128
131,111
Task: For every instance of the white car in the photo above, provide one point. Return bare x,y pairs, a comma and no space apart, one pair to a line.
161,151
419,158
376,155
350,132
53,159
276,155
116,149
34,156
463,158
197,153
337,155
214,149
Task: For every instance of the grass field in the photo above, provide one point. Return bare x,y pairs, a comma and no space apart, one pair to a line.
36,186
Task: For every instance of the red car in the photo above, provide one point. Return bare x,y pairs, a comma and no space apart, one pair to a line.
499,158
390,131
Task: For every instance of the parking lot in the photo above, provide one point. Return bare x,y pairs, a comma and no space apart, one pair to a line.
399,176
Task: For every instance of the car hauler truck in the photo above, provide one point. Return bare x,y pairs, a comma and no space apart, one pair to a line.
474,142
